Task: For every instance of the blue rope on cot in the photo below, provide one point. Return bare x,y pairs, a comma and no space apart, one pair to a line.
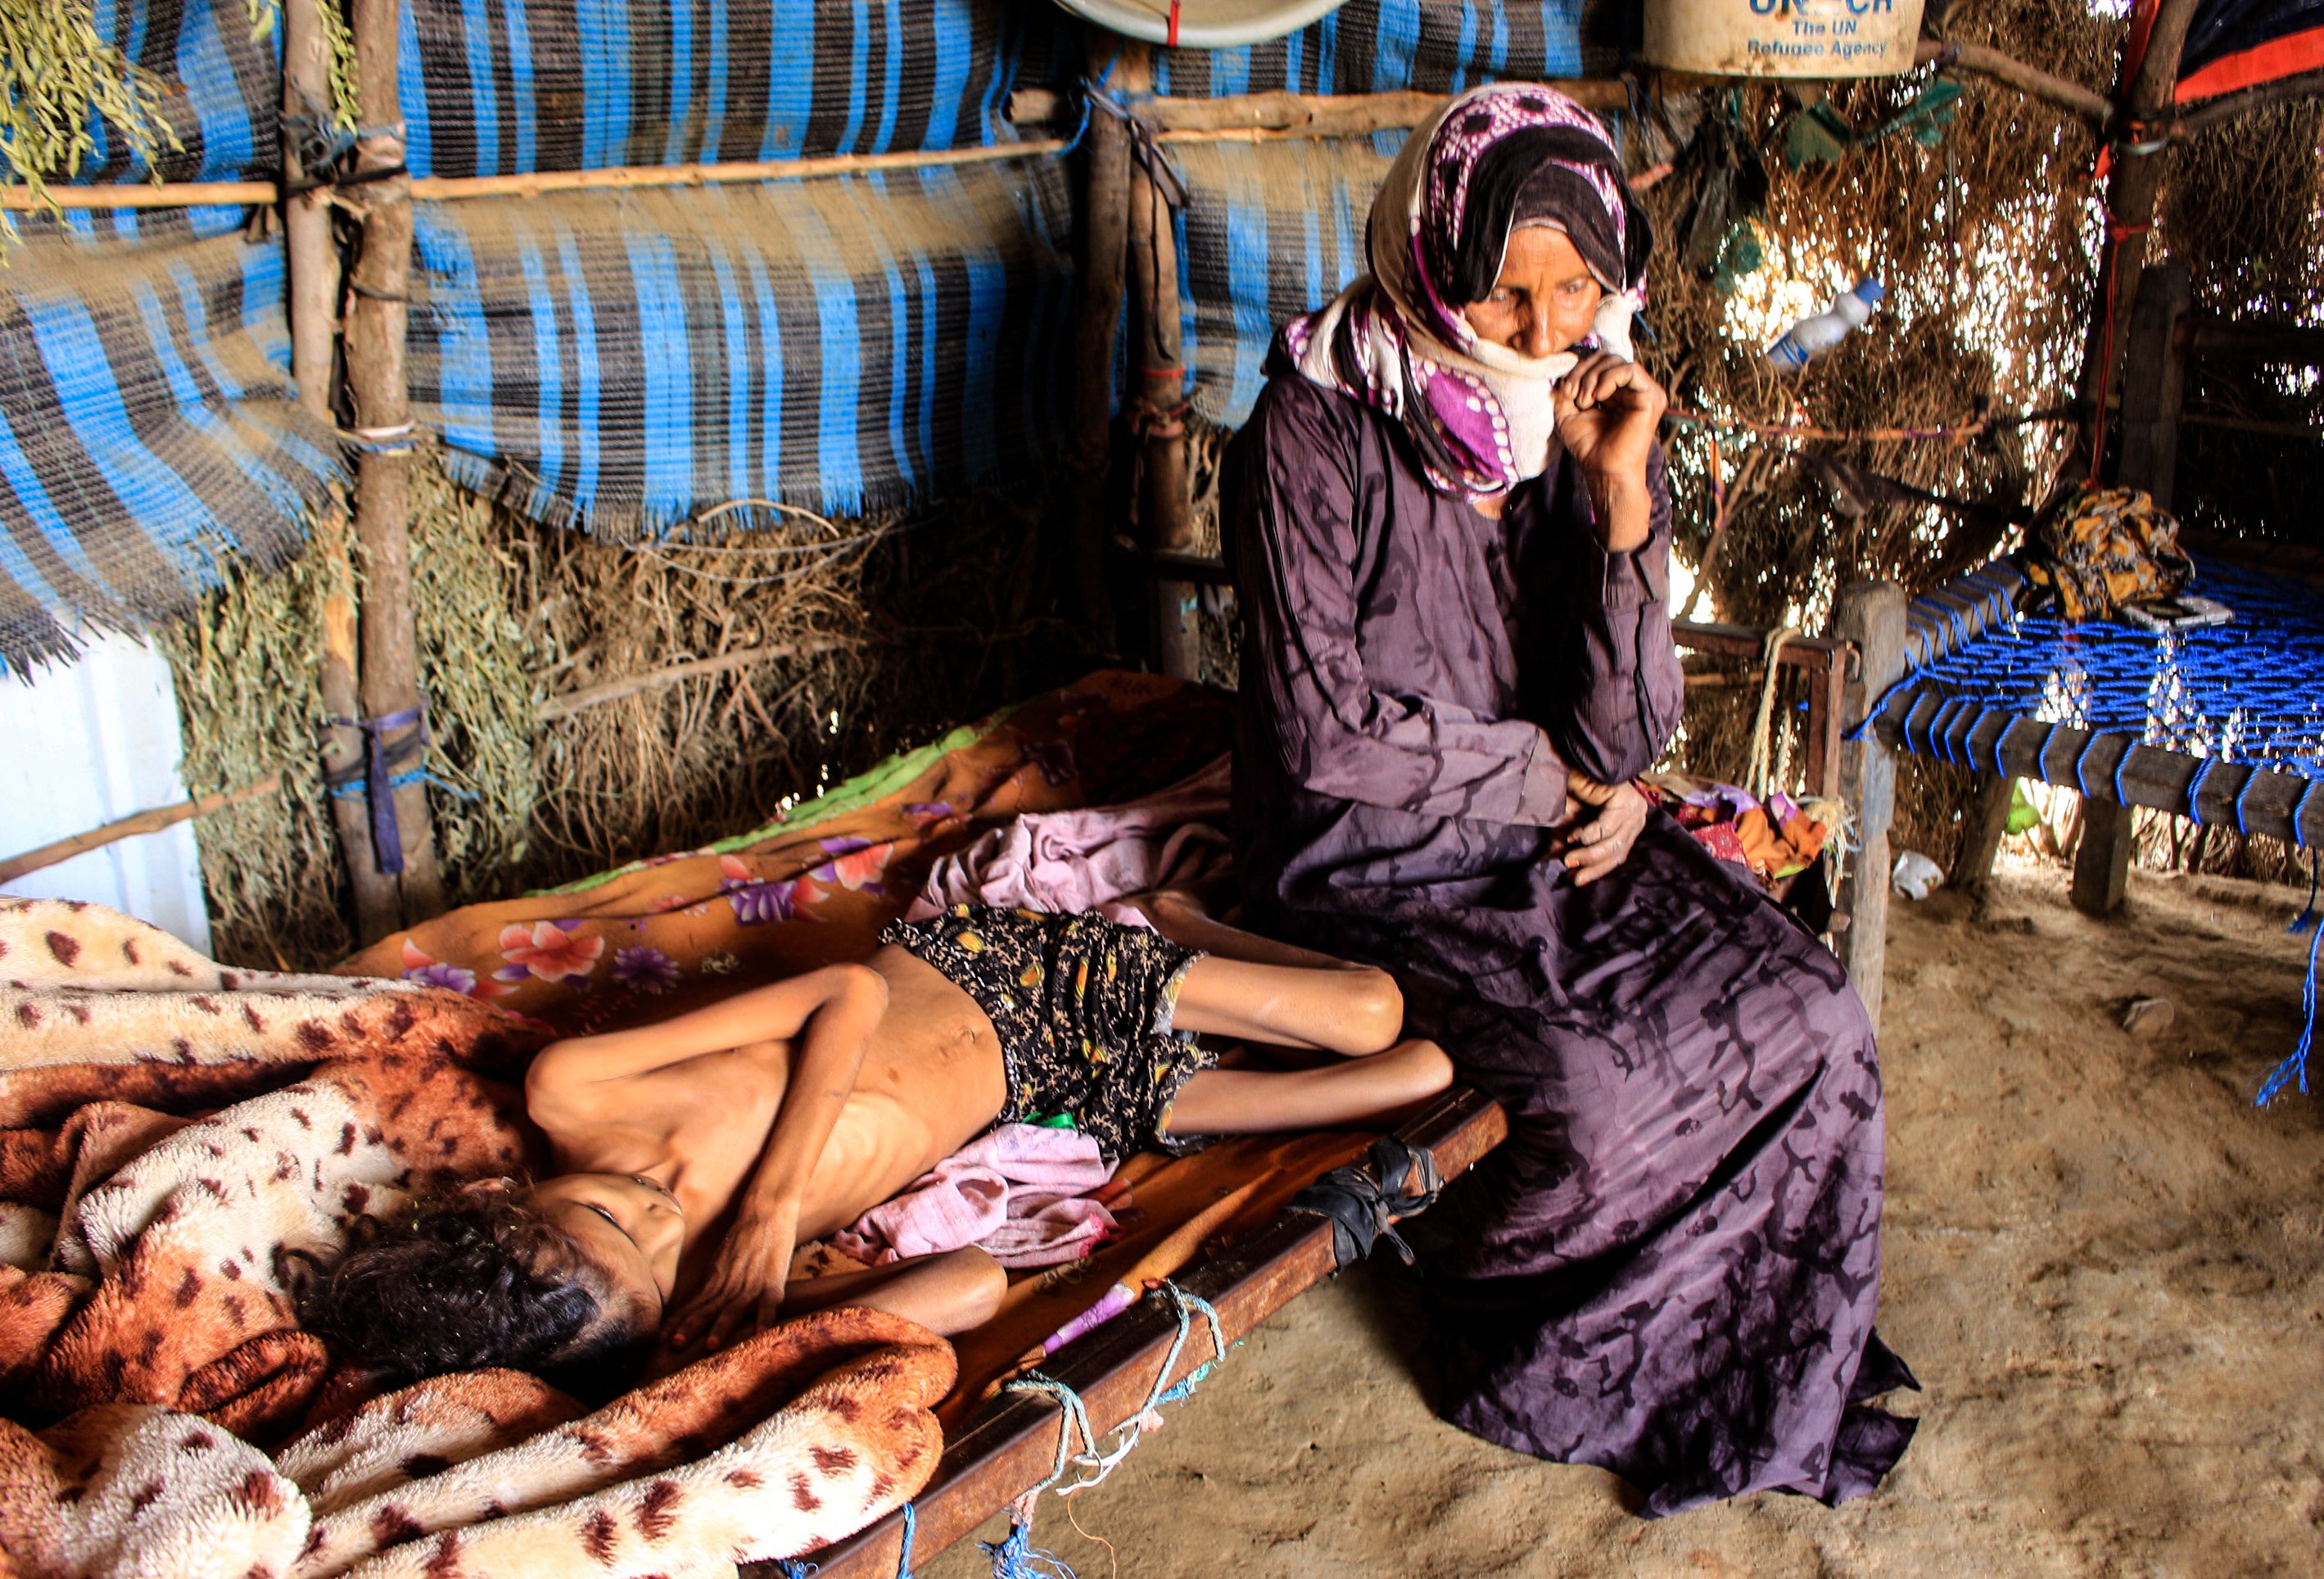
1941,729
2081,784
2121,763
796,1568
904,1553
1016,1557
1912,713
2295,1067
2195,789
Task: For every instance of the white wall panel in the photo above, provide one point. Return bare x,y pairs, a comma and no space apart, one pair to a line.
86,743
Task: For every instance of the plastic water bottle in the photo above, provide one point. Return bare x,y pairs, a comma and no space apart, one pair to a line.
1813,336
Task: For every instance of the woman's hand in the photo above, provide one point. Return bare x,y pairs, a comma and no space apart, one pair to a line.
1602,822
744,1292
1607,412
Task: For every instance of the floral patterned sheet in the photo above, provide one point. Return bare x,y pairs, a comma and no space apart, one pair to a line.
813,886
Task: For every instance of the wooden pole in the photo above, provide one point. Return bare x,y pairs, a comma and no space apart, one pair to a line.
1158,390
532,183
390,681
1870,615
2130,206
1988,822
1105,240
2153,381
130,826
313,261
2036,83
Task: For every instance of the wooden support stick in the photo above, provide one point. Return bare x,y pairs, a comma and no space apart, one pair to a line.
457,189
1259,116
143,195
1989,821
140,822
1157,391
567,703
534,183
313,260
2031,80
2153,374
390,678
2102,858
379,907
2257,339
1105,240
2130,209
1870,615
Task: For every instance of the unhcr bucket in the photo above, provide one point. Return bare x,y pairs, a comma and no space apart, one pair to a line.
1783,38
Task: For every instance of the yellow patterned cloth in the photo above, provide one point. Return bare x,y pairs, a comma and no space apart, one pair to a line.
2106,547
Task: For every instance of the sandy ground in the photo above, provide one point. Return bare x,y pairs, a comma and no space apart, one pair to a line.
2105,1266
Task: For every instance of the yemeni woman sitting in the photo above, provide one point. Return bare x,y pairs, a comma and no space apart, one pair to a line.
1452,527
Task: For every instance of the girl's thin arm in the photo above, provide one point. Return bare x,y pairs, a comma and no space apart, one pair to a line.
744,1289
573,1074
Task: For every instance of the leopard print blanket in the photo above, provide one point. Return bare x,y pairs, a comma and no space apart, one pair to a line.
180,1144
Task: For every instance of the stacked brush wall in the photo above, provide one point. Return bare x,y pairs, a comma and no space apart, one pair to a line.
902,626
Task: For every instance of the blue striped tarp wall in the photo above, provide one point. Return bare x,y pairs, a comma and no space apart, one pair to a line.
221,88
147,431
619,363
502,86
1438,46
1271,230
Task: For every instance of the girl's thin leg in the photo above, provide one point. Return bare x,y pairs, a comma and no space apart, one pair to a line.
1344,1009
1380,1090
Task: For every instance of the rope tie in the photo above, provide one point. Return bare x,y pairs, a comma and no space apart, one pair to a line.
1761,766
379,761
2295,1067
2121,763
1016,1557
396,439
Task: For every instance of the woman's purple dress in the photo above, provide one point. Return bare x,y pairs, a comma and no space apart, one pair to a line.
1669,1270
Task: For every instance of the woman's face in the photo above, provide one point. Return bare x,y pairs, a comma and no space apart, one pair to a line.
630,1230
1544,300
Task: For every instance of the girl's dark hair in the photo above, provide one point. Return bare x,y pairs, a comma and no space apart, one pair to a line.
474,1278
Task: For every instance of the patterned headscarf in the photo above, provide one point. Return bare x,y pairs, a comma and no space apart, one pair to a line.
1496,158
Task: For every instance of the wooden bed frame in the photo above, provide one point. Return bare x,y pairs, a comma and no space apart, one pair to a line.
1009,1444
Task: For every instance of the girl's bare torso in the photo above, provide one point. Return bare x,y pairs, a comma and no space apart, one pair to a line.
932,1081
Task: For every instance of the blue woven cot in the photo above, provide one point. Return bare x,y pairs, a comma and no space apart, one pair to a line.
2230,693
2242,701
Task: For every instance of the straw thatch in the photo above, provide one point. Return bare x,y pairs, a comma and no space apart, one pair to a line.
875,632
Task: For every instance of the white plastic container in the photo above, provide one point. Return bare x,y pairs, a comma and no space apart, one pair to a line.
1783,38
1814,335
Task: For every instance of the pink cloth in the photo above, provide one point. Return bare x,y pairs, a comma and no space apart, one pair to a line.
1019,1191
1087,858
